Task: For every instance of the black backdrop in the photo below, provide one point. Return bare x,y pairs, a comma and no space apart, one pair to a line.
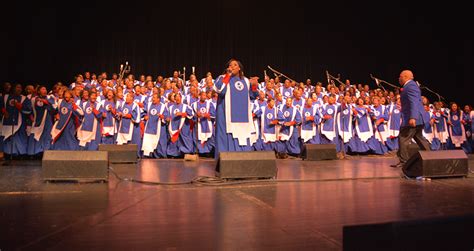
45,42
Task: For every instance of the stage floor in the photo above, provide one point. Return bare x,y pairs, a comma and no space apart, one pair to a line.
287,215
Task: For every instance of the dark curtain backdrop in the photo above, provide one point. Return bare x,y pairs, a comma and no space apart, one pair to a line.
44,43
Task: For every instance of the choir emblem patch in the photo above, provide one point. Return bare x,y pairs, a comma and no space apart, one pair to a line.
39,103
203,110
153,111
376,113
239,86
11,102
107,107
455,117
438,114
125,111
176,111
89,110
269,116
330,111
286,114
64,110
345,112
287,94
307,114
396,111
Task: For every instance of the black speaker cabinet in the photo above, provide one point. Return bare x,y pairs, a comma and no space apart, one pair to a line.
437,164
75,166
121,153
319,152
233,165
446,233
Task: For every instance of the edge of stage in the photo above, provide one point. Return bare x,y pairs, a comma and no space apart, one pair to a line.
306,207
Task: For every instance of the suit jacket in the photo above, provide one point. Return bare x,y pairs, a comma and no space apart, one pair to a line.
412,106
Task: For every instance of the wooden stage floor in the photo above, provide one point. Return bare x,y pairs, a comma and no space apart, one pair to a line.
305,211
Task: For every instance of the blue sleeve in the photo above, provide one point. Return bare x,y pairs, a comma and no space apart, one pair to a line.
413,94
212,111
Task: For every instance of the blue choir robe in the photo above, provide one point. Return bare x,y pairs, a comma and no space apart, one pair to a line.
15,139
205,127
328,126
380,132
109,122
260,102
286,92
456,129
363,130
344,127
189,99
288,135
129,128
269,131
310,132
40,137
256,137
155,137
270,93
394,124
440,129
234,124
89,132
64,129
428,132
299,104
179,128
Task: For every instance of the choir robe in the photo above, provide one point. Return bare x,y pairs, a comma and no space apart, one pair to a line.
299,103
109,122
288,135
204,134
15,140
260,103
40,137
467,128
345,130
471,129
189,100
234,124
270,92
328,126
155,137
440,129
1,121
64,129
377,143
310,132
394,123
129,128
428,133
269,131
256,137
90,131
181,131
286,92
363,130
456,130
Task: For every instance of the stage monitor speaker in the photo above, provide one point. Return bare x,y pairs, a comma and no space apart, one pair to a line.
437,164
75,166
121,153
234,165
319,152
446,233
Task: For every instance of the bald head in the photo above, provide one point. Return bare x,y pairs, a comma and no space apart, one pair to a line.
405,76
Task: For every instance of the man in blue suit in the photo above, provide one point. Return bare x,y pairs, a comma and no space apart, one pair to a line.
413,118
